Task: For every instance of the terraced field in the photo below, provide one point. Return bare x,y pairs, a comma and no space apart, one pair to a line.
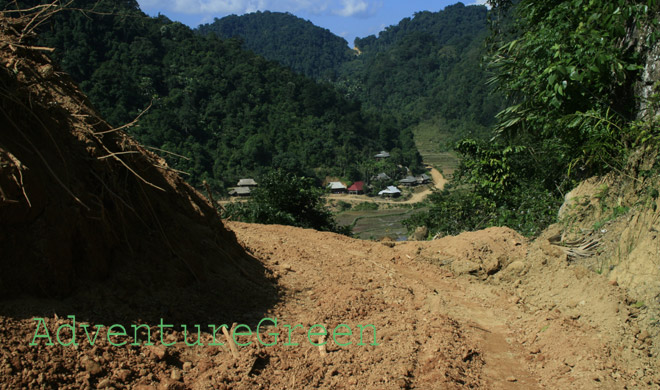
432,145
376,224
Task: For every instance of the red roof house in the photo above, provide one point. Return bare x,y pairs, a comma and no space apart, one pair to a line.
357,188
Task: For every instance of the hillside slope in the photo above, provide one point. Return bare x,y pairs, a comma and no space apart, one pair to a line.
82,203
287,39
425,68
88,214
612,223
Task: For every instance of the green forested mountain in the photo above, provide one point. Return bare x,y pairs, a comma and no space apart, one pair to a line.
287,39
426,67
227,111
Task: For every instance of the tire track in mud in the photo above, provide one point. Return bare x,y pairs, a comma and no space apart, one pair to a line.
505,367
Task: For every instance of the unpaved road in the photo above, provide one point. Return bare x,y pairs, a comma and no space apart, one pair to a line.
439,181
439,331
550,327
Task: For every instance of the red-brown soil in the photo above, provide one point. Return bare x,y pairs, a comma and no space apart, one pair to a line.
523,328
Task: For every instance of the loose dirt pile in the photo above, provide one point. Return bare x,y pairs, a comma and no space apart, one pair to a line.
88,214
539,322
480,253
548,325
82,203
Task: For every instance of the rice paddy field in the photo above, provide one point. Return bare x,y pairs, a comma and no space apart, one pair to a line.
377,224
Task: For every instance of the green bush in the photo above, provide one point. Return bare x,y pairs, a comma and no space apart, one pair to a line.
343,206
527,210
366,206
287,199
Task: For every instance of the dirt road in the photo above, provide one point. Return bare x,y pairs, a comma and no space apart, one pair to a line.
436,330
484,310
439,181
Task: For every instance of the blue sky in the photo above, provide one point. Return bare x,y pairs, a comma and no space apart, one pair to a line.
346,18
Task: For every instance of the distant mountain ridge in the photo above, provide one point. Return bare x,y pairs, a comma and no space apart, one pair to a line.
455,25
292,41
426,66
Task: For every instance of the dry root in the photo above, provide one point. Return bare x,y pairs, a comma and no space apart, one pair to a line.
579,249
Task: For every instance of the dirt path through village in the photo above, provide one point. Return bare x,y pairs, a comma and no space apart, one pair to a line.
439,183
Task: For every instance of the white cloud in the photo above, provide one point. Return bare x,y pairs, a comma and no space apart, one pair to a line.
352,8
213,6
481,2
344,8
357,8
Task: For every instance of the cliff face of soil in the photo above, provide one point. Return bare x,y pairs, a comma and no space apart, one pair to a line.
618,218
612,223
82,203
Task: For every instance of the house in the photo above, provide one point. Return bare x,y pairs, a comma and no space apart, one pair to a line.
244,188
380,177
423,179
337,187
240,191
383,154
357,188
390,191
247,183
409,181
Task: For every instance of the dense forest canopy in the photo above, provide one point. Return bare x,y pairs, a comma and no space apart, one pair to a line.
287,39
427,67
228,112
564,107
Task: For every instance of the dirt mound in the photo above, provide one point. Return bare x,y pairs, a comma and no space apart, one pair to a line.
81,202
90,217
481,253
332,279
565,296
545,324
576,328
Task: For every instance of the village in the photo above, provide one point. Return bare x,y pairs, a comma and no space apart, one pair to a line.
381,185
374,209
